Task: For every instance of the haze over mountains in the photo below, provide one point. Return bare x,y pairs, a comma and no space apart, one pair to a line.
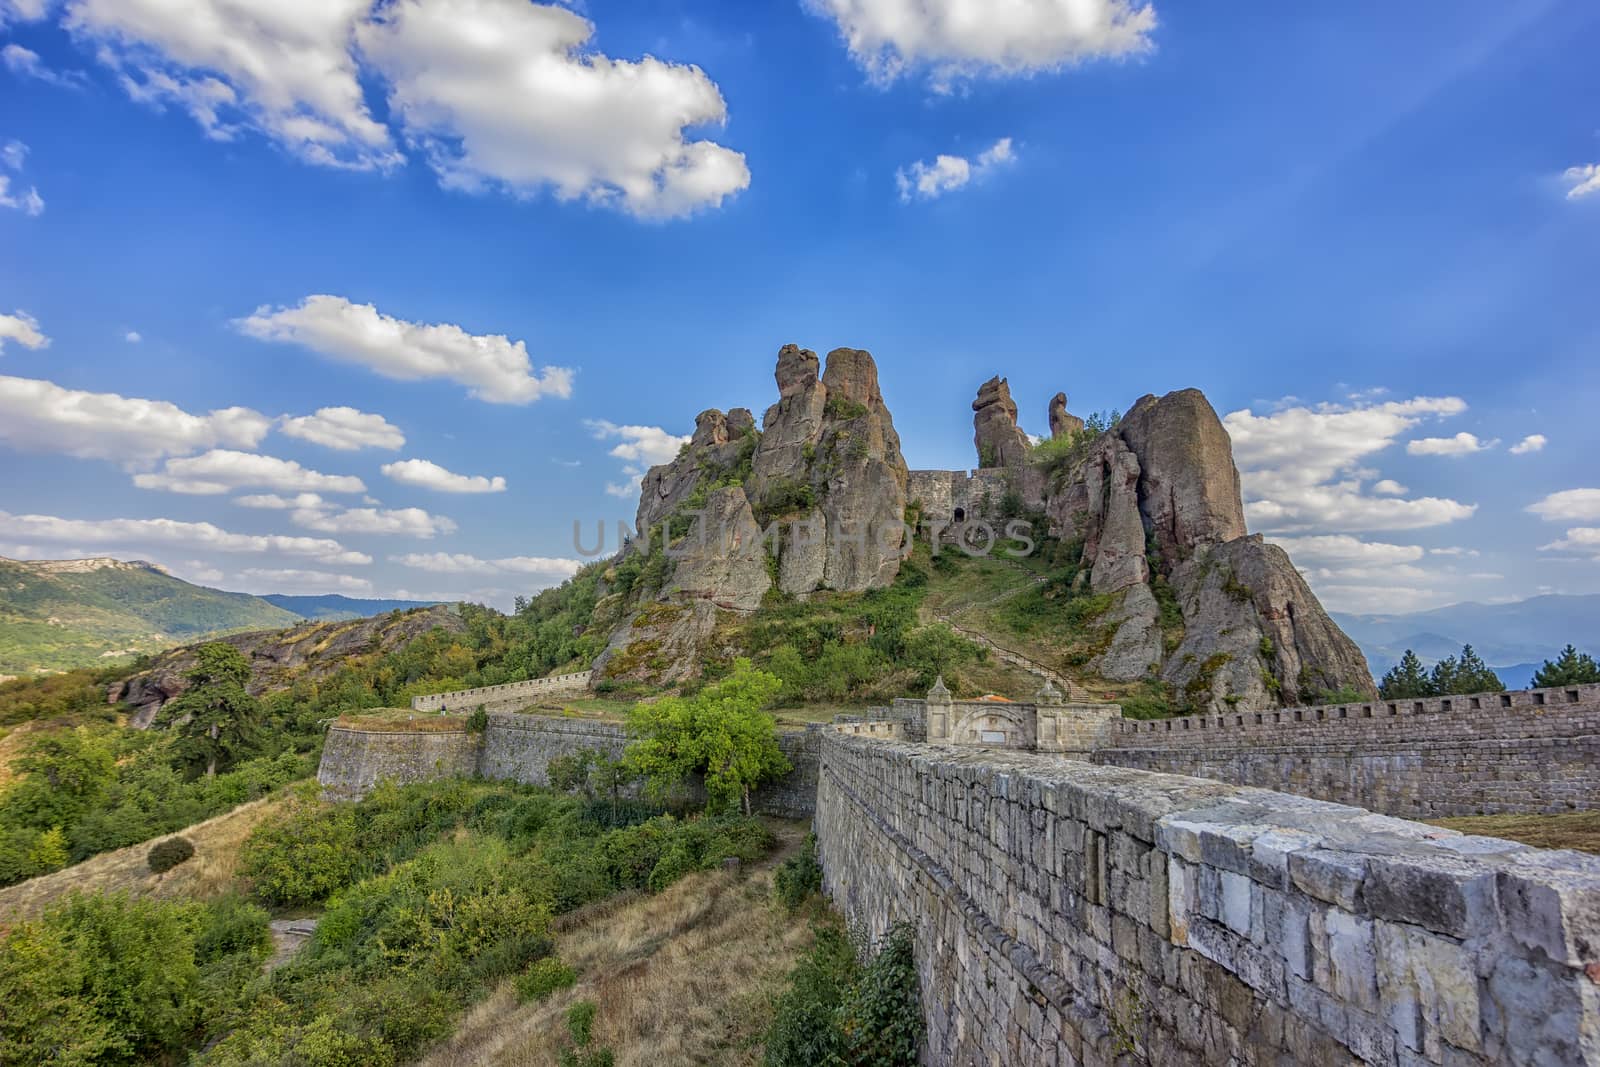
1512,638
59,614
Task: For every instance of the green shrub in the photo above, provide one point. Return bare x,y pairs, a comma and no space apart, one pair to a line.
303,856
805,1028
232,926
165,855
799,876
543,978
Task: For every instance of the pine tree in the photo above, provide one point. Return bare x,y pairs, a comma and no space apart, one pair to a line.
1406,679
216,717
1466,673
1570,668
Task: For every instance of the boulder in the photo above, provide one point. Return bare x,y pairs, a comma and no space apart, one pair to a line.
716,445
999,440
1188,484
1062,422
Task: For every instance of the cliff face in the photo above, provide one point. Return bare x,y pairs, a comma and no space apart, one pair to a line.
826,468
1155,502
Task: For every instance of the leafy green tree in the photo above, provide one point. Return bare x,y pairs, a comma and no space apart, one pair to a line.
1464,674
1570,668
218,721
1406,679
721,732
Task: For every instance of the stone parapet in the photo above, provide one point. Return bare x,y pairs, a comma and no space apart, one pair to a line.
505,697
1072,913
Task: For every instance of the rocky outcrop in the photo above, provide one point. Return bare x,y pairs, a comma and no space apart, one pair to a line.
790,428
279,658
1113,547
1255,634
999,440
723,560
719,441
1188,485
859,476
1062,422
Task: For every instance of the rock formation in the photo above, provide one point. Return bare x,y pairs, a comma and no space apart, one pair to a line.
1254,635
1063,422
999,440
821,505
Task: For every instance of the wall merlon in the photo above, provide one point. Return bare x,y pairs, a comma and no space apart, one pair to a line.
494,697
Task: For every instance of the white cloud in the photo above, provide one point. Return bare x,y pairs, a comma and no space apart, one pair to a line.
283,69
24,10
171,532
40,416
133,337
1386,598
552,570
197,572
503,93
23,329
1460,553
12,155
1583,539
222,470
1534,442
290,580
1301,467
1585,180
1339,549
955,39
272,501
26,63
640,447
1389,487
650,445
1568,505
428,475
344,428
402,522
494,368
928,181
1462,444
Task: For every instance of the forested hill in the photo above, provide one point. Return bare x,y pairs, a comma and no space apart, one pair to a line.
332,607
57,614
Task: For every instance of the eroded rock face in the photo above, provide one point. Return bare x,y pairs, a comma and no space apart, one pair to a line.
1255,634
859,476
723,560
716,445
1188,484
280,657
999,440
790,428
1063,422
1114,540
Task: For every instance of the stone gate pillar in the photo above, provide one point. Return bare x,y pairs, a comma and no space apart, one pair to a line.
939,709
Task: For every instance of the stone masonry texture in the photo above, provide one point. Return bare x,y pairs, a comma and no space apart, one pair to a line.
1068,913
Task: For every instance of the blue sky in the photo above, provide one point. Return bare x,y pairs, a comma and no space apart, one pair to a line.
517,249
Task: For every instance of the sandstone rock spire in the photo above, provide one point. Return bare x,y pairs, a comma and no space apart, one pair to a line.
999,440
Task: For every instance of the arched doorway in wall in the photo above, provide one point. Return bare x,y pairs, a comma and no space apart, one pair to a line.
960,515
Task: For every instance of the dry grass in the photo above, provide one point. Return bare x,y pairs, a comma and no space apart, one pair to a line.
211,872
1579,830
684,977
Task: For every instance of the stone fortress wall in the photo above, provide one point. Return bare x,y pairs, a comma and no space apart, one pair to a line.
356,756
1067,913
1532,751
511,696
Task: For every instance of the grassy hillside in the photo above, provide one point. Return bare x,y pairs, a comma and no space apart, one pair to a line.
60,614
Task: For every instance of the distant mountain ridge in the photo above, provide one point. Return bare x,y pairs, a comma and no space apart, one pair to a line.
1514,639
65,613
57,614
334,606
